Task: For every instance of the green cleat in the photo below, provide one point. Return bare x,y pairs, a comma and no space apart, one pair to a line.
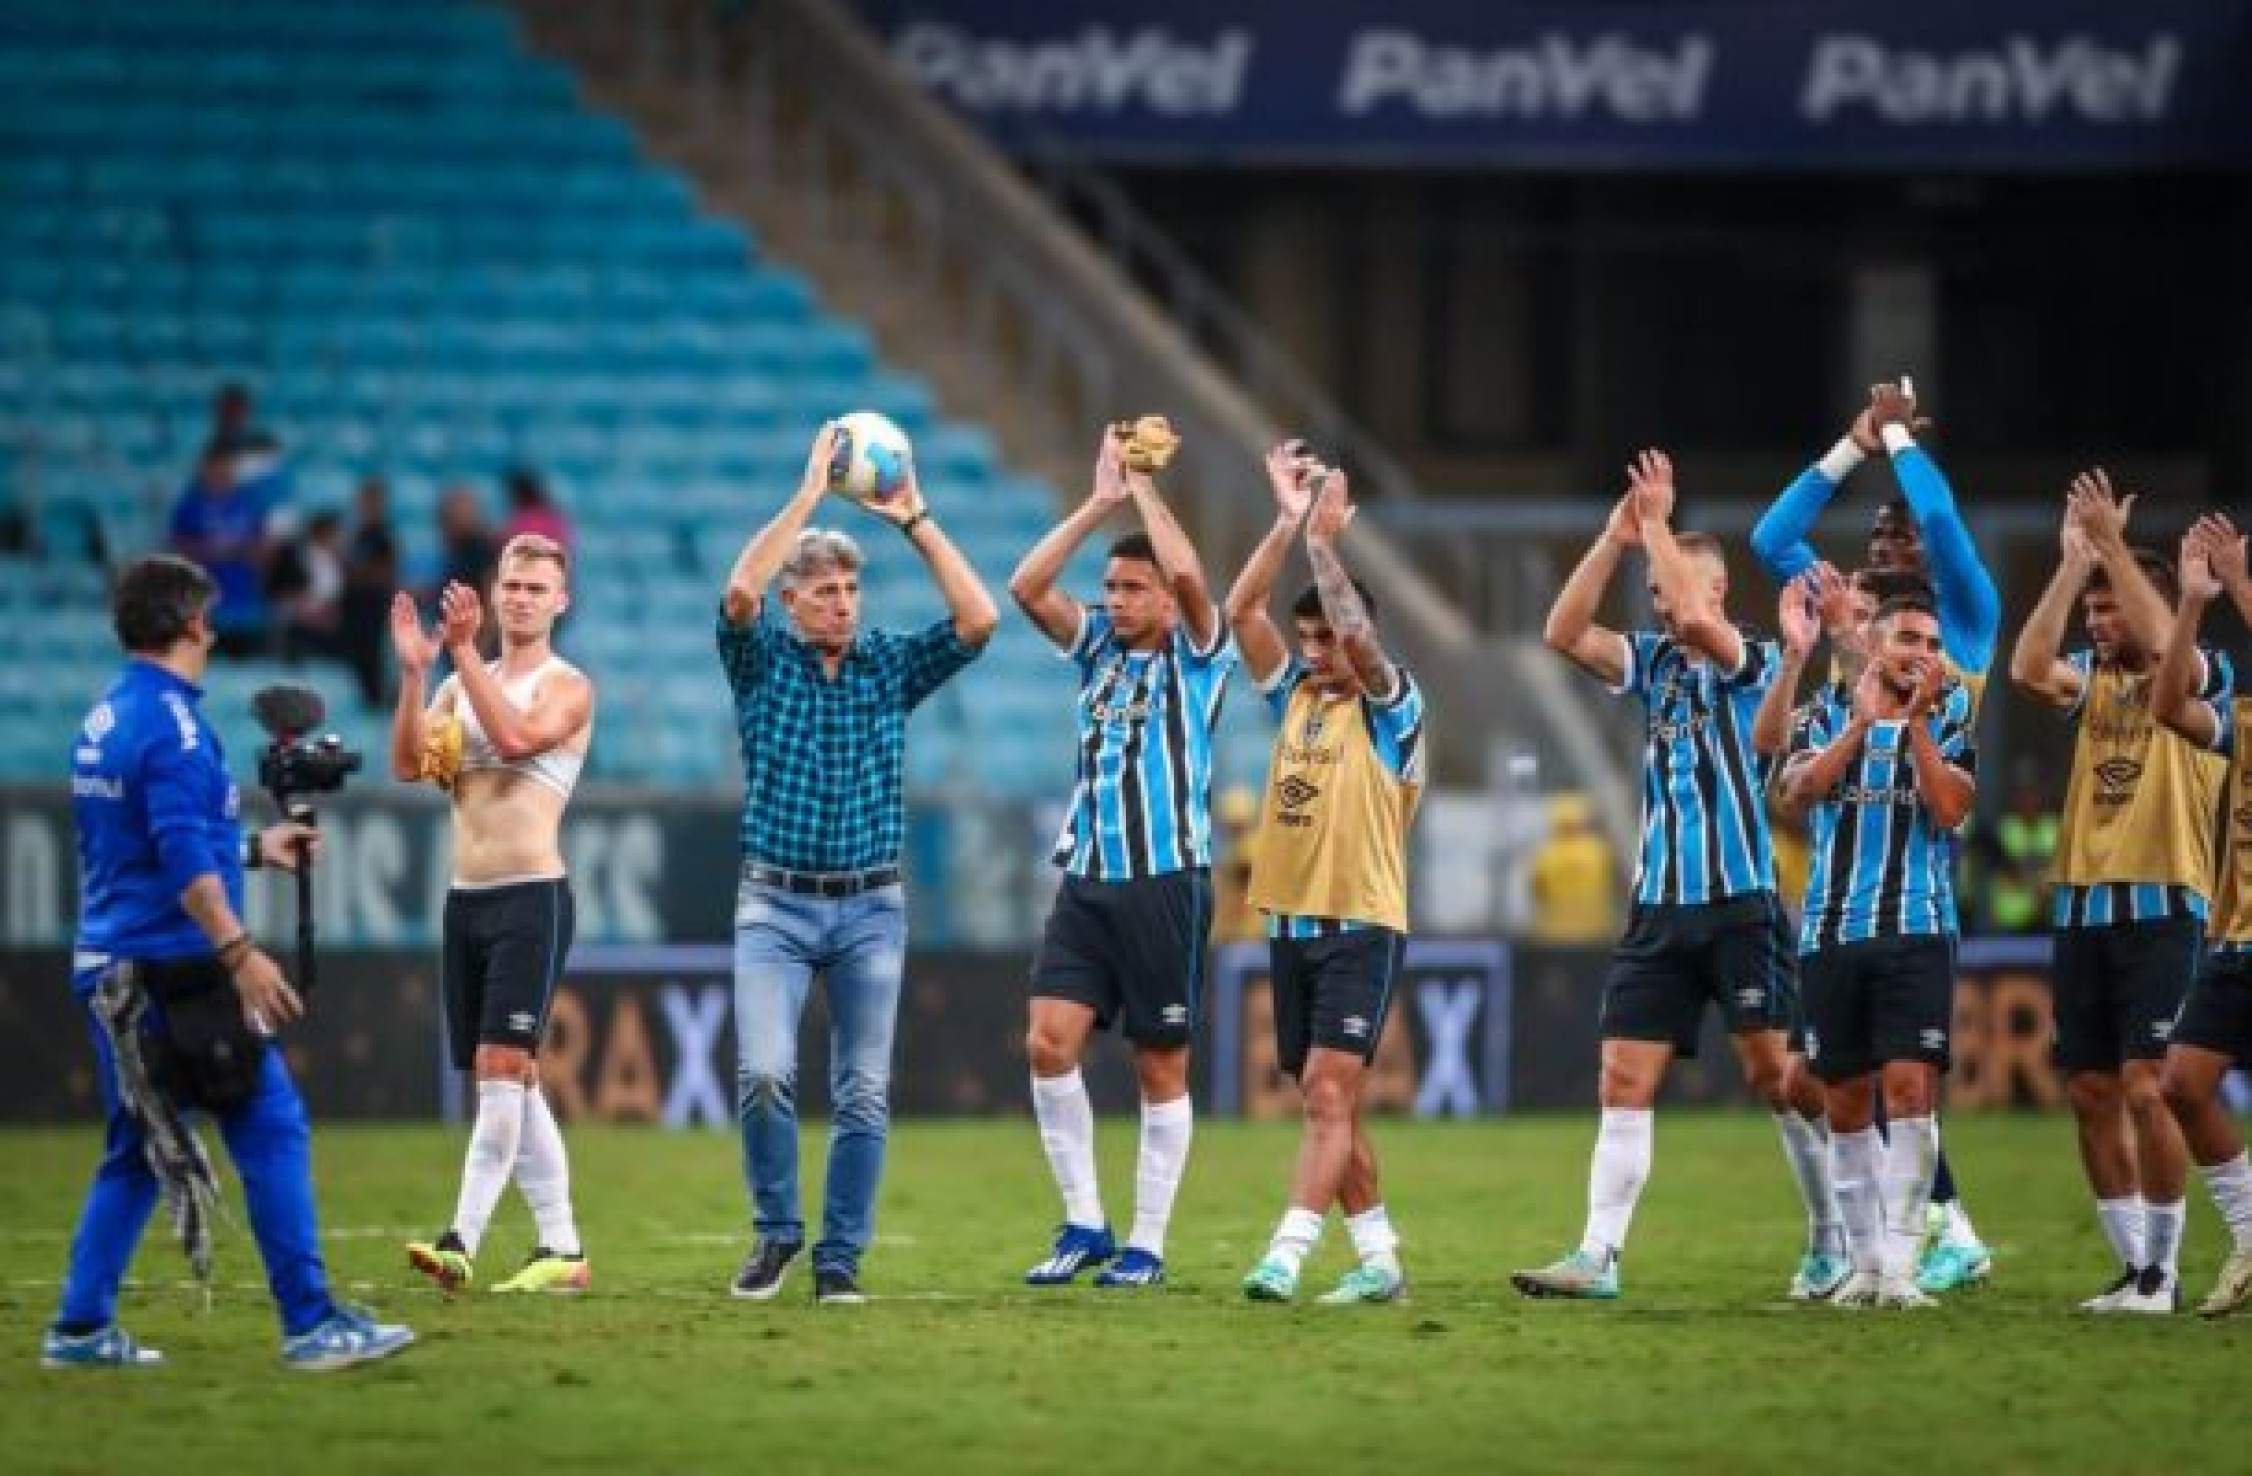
1578,1276
1367,1284
1271,1281
444,1262
1945,1268
545,1271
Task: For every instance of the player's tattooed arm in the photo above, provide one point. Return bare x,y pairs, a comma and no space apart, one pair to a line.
2035,665
1341,603
1290,471
769,548
2173,689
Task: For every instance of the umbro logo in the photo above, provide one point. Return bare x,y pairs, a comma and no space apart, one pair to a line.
2115,778
1296,793
1174,1014
1355,1026
523,1021
1933,1040
1750,999
2162,1030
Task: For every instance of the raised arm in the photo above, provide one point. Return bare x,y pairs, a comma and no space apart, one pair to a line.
1341,604
1781,538
1177,561
416,651
1800,623
1686,589
1947,789
1033,585
2173,689
2104,515
769,548
1264,650
2224,550
1970,607
560,708
967,599
2036,667
1572,630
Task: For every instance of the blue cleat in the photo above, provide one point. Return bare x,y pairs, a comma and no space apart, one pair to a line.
349,1335
104,1347
1078,1248
1134,1267
1819,1276
1947,1267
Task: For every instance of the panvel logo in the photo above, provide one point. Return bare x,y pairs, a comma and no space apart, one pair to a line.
2020,80
1097,70
1559,76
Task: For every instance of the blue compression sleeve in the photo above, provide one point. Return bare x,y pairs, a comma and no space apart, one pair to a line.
1970,607
1780,537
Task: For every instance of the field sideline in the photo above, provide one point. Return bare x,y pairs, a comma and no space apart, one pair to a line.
958,1367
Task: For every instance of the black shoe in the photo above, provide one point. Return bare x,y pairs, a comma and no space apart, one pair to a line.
833,1285
451,1241
763,1270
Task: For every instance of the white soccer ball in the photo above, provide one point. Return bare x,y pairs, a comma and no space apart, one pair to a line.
871,459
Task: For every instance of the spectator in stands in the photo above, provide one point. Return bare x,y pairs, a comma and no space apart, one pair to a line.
307,589
371,577
2018,854
1575,878
221,525
531,510
259,468
466,548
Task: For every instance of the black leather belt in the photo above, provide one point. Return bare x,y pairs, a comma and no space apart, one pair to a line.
821,883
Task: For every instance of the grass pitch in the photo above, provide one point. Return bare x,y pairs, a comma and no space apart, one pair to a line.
957,1366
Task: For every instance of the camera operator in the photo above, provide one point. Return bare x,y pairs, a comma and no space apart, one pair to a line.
181,1001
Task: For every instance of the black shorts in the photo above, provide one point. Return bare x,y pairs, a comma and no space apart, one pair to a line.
1332,991
1131,951
1888,999
504,950
2118,988
2217,1016
1675,959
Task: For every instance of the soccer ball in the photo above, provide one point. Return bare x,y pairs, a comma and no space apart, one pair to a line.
871,459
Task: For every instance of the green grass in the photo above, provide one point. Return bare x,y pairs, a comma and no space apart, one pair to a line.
957,1366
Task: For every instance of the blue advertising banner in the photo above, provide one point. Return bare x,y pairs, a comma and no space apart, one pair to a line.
1732,84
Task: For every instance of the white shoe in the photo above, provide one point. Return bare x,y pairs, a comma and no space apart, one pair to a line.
1861,1289
2107,1300
2156,1293
1901,1292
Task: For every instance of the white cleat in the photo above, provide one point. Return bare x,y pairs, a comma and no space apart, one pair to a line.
2154,1294
2107,1300
1901,1292
1861,1289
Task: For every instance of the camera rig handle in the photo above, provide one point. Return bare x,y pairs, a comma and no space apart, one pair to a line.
304,814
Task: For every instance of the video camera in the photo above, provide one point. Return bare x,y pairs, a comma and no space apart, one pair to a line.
294,765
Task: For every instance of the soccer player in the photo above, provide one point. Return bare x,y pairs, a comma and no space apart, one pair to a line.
1706,924
507,739
2134,869
1125,939
2214,1030
1884,770
1920,533
1330,868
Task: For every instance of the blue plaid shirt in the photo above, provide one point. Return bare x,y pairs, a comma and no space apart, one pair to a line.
823,759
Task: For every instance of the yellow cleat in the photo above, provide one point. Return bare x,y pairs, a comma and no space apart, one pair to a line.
2233,1289
564,1276
445,1264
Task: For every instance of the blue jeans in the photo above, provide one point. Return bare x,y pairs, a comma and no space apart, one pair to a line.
269,1139
859,946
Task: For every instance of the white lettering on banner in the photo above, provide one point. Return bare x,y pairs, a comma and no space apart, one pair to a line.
380,864
2019,81
1097,70
35,882
696,1017
1449,1009
1557,76
617,868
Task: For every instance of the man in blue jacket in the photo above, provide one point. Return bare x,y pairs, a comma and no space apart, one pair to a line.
181,1002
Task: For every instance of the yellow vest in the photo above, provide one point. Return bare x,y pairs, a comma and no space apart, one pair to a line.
1333,828
2232,912
2140,806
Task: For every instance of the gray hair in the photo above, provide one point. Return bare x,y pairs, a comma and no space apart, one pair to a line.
818,551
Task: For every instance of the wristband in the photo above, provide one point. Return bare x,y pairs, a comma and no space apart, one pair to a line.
252,856
907,529
239,940
1840,460
1896,438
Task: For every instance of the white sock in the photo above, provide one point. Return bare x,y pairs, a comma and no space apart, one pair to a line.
2123,1221
1853,1169
543,1173
1067,1132
1374,1239
1958,1230
1166,1130
2162,1235
1615,1176
1911,1153
492,1154
1295,1238
1806,1145
2231,1186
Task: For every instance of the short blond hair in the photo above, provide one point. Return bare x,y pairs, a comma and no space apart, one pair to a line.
536,546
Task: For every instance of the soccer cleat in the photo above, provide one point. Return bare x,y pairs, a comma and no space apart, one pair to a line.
1134,1267
2232,1290
1861,1289
1819,1275
1577,1276
2107,1300
349,1335
104,1347
1365,1283
1078,1248
2156,1293
763,1270
545,1271
1945,1268
835,1286
1900,1292
1272,1280
445,1261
